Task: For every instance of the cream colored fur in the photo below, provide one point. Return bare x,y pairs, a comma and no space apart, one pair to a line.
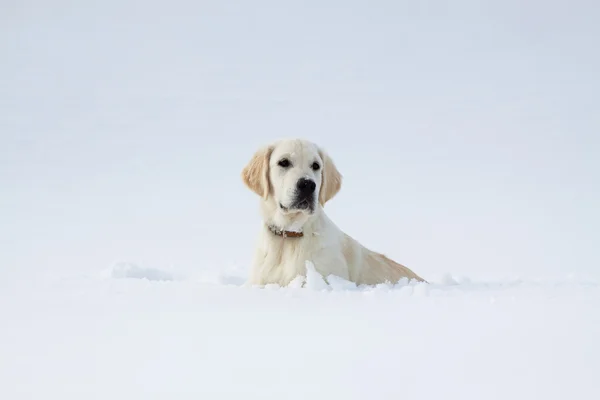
280,260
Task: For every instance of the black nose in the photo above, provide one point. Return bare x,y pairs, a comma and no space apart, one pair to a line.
306,186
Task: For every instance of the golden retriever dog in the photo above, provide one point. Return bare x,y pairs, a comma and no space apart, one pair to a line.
295,179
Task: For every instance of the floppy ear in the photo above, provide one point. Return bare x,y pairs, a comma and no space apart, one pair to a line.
256,174
331,182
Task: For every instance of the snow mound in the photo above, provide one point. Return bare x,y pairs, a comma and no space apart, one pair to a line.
314,280
340,284
124,270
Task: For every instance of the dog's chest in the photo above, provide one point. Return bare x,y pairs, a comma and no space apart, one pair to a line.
285,259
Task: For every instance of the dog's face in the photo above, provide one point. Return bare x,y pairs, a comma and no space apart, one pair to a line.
295,174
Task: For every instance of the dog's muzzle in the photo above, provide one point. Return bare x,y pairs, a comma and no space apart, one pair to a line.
304,196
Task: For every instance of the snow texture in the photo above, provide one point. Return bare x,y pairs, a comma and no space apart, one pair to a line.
131,336
128,270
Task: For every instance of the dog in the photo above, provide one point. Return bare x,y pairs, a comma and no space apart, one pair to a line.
295,178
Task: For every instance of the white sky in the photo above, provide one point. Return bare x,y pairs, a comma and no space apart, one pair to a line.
468,136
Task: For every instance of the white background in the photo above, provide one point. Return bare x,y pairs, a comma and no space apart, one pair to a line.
468,134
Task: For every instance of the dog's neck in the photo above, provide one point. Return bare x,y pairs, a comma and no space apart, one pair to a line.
287,225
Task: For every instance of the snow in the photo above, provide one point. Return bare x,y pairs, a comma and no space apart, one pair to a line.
314,280
128,270
101,336
468,141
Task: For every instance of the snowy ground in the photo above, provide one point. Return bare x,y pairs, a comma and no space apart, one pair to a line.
136,333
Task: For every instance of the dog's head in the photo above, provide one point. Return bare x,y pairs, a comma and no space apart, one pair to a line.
296,175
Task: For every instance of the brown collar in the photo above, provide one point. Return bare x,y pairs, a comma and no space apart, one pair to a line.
285,234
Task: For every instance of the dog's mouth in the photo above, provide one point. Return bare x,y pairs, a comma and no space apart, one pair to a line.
300,205
303,205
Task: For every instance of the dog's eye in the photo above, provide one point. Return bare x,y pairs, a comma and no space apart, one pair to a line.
315,166
284,163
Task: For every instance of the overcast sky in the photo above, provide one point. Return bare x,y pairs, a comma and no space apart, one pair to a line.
468,135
